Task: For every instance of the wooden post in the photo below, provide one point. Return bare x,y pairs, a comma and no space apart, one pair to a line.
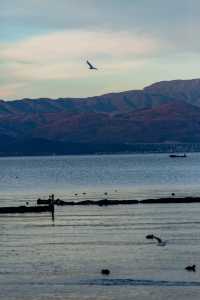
52,207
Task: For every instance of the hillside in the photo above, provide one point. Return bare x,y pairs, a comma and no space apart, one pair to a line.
165,112
150,97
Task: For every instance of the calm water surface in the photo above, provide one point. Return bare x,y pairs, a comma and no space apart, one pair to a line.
40,260
121,176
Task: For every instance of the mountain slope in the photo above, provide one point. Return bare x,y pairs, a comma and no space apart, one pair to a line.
150,97
184,90
165,112
175,122
109,103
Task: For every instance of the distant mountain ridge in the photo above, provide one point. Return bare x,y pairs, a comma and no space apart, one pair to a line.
109,103
164,112
184,90
150,97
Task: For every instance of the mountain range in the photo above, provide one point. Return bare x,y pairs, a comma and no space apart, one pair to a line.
166,112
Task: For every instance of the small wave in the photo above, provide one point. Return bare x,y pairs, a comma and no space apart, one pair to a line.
112,282
138,282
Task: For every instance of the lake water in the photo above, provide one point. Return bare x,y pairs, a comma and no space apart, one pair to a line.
62,260
121,176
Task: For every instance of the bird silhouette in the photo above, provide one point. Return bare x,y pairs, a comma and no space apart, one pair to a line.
105,272
152,236
91,67
191,268
160,242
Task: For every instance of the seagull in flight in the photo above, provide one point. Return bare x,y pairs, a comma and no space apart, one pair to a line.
91,67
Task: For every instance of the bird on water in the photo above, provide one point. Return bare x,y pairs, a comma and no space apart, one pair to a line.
105,272
160,242
152,236
191,268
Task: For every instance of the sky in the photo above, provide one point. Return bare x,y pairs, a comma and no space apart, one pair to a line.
44,45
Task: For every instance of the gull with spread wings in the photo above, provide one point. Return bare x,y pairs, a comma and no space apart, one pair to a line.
91,67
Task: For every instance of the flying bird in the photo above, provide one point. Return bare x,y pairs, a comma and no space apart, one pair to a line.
91,67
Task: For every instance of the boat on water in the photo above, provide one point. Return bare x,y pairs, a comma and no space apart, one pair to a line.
177,155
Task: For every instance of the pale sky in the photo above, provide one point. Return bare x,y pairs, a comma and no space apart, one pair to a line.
44,45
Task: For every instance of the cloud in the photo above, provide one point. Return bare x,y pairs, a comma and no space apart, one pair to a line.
62,55
156,16
75,43
10,89
48,42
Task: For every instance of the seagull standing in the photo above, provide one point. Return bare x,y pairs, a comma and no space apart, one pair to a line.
91,67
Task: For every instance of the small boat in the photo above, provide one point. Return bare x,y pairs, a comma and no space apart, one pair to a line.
177,155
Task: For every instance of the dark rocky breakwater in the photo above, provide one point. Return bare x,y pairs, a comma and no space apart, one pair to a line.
45,205
106,202
24,209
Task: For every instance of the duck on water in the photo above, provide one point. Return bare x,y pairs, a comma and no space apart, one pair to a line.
191,268
159,241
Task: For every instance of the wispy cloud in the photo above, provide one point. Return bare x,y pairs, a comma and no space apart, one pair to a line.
10,89
78,43
48,42
62,55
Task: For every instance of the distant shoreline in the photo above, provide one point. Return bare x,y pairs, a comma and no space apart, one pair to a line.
91,154
41,147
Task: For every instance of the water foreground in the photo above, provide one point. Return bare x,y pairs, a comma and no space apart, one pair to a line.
42,261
